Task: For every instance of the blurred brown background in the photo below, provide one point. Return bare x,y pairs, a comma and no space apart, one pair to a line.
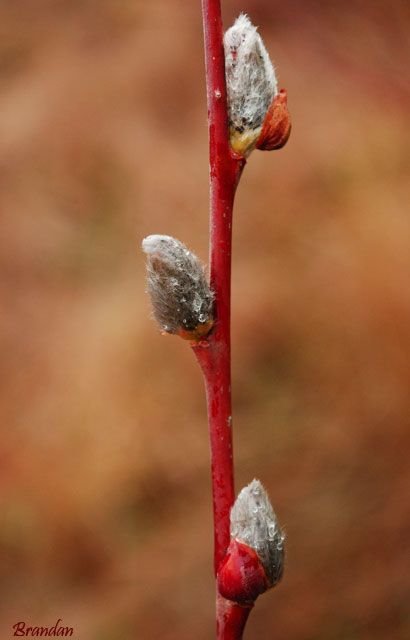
105,491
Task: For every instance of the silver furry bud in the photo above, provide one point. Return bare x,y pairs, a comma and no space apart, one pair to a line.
182,301
254,522
251,83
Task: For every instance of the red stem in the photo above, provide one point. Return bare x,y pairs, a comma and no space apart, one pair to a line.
214,353
232,619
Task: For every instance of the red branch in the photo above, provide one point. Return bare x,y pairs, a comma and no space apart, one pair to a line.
214,353
231,619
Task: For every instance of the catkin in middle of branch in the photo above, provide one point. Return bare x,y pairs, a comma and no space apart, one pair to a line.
182,301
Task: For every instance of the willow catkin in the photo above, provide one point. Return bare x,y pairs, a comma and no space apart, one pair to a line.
254,522
181,299
251,83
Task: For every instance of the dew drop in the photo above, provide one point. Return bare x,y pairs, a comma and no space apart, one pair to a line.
197,303
173,282
271,531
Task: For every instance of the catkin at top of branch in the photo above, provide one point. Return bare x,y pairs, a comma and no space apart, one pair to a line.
251,83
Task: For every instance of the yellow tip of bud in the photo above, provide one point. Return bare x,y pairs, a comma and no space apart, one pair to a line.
243,142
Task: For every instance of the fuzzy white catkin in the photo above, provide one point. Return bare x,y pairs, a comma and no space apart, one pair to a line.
250,79
180,294
254,522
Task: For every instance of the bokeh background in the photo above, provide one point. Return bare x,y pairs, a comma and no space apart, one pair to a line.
104,463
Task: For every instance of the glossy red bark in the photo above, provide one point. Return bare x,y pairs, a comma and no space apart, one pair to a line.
214,353
232,618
